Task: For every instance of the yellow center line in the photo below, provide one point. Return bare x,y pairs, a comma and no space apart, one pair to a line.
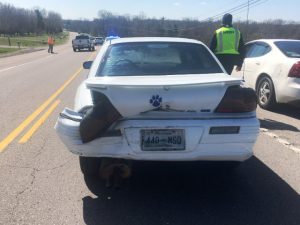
38,123
6,141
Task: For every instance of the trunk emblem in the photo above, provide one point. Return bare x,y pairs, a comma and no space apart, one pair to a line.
156,100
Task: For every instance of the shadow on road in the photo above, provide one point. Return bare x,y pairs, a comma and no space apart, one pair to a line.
275,125
195,193
287,110
84,50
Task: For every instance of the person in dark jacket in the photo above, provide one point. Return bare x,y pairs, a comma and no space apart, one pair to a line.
228,45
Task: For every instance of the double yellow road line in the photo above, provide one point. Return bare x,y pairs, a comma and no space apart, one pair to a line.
16,132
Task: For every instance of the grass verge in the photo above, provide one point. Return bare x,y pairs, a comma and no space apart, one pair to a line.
8,50
34,40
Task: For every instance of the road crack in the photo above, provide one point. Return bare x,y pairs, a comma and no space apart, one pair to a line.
33,174
20,193
59,166
41,149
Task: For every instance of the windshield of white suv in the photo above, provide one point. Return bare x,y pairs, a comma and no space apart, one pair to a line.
157,58
290,48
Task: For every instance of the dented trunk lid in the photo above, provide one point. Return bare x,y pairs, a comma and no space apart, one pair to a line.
132,95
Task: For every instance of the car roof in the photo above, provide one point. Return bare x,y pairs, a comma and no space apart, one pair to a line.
154,39
272,40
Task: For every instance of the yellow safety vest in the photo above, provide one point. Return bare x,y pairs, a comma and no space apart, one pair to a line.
228,39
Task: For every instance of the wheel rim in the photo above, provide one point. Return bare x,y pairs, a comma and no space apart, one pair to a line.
264,93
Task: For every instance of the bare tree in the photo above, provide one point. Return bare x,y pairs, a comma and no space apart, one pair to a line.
14,21
53,22
127,26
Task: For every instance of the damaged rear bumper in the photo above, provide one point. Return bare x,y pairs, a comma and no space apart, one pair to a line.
200,144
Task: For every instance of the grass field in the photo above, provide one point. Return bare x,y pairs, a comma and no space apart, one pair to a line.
33,41
8,50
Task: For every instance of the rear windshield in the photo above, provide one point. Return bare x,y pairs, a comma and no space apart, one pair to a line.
82,37
289,48
157,58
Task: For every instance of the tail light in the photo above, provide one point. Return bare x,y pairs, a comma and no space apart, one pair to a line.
295,70
238,99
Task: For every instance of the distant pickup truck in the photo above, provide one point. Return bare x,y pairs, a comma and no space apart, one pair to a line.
83,41
99,40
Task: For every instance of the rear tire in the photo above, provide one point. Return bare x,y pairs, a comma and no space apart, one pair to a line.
74,49
265,93
89,166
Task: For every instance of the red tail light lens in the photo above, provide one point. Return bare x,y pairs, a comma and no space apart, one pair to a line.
238,99
295,70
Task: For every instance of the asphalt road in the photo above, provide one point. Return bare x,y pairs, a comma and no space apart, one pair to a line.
40,181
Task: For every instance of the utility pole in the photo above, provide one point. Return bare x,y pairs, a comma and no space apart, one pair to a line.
247,23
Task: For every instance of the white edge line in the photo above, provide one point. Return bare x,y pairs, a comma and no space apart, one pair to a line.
280,140
23,64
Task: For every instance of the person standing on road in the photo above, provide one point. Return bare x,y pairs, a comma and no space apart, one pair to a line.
51,41
228,45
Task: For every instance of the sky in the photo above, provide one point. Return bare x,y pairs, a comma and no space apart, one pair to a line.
171,9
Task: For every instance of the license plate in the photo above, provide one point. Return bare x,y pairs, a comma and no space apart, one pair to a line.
163,140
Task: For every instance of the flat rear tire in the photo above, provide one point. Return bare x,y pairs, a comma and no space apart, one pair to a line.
89,166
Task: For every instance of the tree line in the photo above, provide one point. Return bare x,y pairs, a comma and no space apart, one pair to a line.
20,21
108,23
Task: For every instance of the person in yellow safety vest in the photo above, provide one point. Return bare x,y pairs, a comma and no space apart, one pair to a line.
228,45
51,41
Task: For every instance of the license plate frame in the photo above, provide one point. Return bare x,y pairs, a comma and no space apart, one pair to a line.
162,139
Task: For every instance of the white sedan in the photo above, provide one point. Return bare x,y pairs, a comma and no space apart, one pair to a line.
272,67
163,99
